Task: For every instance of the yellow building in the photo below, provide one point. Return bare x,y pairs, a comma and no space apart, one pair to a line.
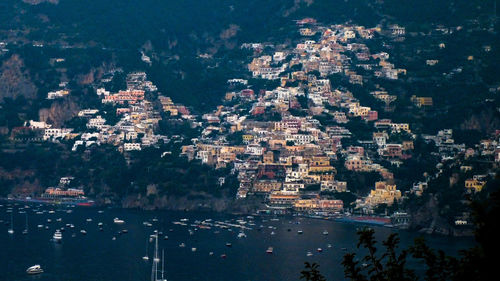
474,184
383,194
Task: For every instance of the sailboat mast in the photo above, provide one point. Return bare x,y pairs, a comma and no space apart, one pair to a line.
162,263
156,258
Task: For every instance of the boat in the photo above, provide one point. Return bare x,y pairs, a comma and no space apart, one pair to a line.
329,245
325,232
223,256
25,231
100,224
146,257
83,231
35,269
309,254
148,224
229,245
193,249
319,250
269,250
299,232
57,237
165,238
118,221
11,229
242,235
89,220
272,233
211,253
163,266
182,245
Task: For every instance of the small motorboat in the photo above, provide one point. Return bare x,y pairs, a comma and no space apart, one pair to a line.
269,250
89,220
83,231
309,254
193,249
57,236
35,269
319,250
229,245
118,221
299,232
242,235
223,256
325,232
329,245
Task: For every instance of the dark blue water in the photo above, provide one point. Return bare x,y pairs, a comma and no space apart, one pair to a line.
95,256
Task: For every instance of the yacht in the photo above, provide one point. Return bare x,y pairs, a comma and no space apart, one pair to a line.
319,250
269,250
300,232
193,249
118,221
35,269
57,236
325,232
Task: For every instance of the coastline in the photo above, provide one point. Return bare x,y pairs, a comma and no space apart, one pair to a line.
224,205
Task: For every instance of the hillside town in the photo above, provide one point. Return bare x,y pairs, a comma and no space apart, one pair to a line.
287,144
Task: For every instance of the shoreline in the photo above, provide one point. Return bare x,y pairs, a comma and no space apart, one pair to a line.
362,220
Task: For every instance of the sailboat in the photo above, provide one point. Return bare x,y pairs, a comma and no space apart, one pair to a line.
11,229
156,260
146,257
162,266
25,231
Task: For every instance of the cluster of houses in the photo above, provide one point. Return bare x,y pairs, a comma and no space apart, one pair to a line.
291,160
276,141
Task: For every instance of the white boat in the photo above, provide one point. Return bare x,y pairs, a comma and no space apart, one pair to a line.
182,245
35,269
270,250
309,254
57,236
242,235
146,257
11,229
83,231
118,221
89,220
300,232
325,232
193,249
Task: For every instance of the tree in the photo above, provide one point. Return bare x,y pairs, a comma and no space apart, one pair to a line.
311,273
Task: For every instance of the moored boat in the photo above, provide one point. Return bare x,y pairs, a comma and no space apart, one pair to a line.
35,269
